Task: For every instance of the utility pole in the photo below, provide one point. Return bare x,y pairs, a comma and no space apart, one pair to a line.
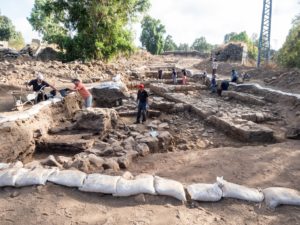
265,34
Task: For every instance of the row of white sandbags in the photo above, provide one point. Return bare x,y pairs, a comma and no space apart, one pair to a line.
116,185
16,175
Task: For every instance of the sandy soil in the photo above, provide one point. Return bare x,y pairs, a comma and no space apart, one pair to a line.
274,165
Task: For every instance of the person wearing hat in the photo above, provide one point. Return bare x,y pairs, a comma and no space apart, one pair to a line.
38,85
84,92
142,99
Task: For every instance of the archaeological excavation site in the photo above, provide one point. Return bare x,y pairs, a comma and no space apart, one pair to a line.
198,154
109,116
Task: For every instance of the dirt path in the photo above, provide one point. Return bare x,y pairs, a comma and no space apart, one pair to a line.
274,165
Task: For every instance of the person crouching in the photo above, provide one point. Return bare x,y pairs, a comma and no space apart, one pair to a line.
83,91
142,100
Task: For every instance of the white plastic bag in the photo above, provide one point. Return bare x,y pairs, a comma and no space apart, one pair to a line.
169,187
37,176
275,196
69,178
8,177
231,190
205,192
140,185
100,184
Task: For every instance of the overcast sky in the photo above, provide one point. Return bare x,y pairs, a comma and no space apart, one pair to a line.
186,20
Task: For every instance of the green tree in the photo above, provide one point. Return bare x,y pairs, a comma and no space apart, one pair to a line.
183,47
7,29
228,37
87,29
17,41
152,37
244,38
170,45
201,45
8,33
289,54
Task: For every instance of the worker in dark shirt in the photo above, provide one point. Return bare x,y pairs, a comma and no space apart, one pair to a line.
38,85
142,99
224,87
160,74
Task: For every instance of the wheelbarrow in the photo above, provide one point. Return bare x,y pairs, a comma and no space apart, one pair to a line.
22,98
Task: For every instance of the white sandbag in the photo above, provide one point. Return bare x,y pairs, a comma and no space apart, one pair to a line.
37,176
17,164
32,165
100,184
8,177
4,166
169,188
281,196
231,190
140,185
205,192
69,178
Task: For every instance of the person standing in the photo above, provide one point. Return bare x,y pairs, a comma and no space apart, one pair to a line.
174,76
214,66
38,85
160,74
213,84
142,100
83,91
184,77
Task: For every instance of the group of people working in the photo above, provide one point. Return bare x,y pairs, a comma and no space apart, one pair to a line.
225,83
39,85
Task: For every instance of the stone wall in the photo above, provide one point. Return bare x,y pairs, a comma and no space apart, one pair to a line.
232,52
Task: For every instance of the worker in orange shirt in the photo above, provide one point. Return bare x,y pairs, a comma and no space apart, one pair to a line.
83,91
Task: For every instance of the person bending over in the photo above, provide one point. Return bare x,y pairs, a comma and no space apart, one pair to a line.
84,93
38,85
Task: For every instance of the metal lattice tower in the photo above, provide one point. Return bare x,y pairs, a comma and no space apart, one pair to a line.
265,34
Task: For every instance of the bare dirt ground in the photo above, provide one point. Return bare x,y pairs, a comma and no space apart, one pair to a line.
274,165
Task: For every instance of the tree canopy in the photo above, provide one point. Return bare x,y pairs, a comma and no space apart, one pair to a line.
170,45
289,54
87,29
8,33
201,45
183,47
152,37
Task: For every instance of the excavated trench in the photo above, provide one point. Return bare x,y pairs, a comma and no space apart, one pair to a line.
181,118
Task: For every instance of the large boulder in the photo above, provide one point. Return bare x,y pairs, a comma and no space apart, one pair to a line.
110,94
96,119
